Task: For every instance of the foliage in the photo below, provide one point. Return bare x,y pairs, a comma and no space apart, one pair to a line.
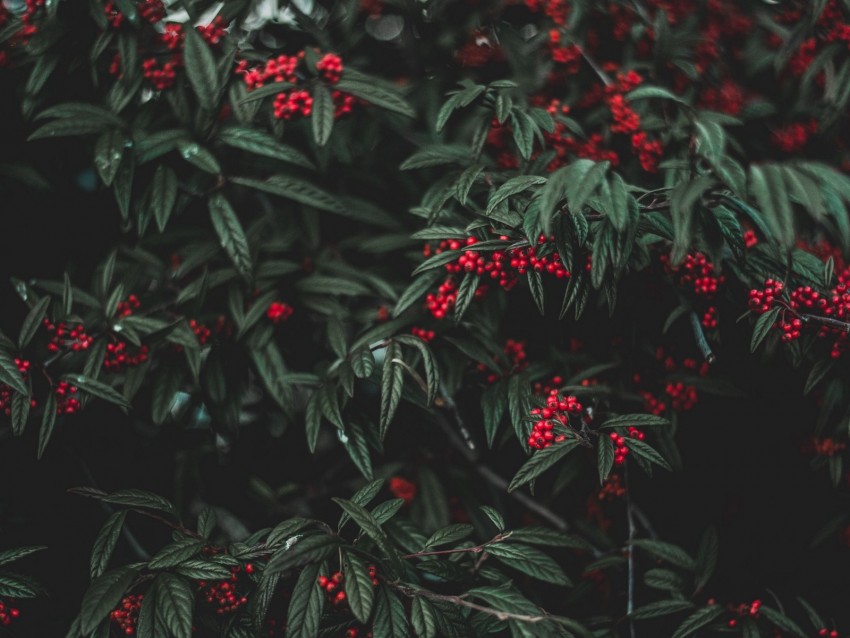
348,226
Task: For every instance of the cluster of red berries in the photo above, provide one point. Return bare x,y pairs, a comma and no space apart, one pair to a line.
160,75
544,389
279,311
682,397
66,398
823,447
504,266
29,17
805,299
426,335
223,595
126,615
63,337
621,450
627,121
8,613
745,610
330,66
296,102
517,361
827,633
402,488
152,11
697,274
793,137
118,356
202,333
556,414
567,54
353,632
128,306
293,104
215,31
612,488
334,588
727,98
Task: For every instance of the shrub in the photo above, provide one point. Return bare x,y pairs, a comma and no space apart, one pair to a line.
425,318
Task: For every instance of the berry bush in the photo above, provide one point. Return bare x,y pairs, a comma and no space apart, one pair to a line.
391,318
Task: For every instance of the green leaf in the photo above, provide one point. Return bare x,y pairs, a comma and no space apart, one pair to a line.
706,560
392,383
140,498
535,284
634,420
103,595
11,555
20,412
429,363
465,294
108,152
176,600
295,189
97,389
272,372
698,620
10,375
782,621
451,534
322,115
366,521
358,586
604,457
363,362
423,618
551,195
768,188
201,69
530,561
175,553
262,144
376,93
540,461
494,402
305,605
48,420
762,327
105,543
14,586
647,452
231,235
163,195
646,92
661,608
512,187
585,177
666,551
390,620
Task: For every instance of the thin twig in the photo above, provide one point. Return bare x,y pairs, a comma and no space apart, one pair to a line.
630,603
595,66
463,602
462,550
827,321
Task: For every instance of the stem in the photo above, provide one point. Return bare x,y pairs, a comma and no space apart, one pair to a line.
593,65
702,342
827,321
462,550
630,603
461,601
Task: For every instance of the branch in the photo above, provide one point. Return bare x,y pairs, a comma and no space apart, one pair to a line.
827,321
702,342
462,550
630,603
461,601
